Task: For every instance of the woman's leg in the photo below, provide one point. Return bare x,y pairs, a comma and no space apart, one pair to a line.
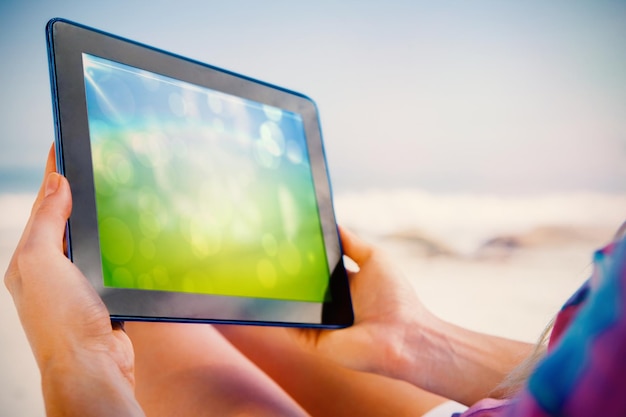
322,387
192,370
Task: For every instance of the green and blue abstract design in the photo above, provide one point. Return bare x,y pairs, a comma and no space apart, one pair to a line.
200,191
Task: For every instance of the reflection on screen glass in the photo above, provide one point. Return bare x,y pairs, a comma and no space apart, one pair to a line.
200,191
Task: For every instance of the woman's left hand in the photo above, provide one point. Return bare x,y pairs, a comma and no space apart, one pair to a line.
87,366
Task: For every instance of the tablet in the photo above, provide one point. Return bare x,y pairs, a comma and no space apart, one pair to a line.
200,195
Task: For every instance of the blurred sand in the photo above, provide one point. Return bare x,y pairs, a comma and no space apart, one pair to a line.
513,295
20,394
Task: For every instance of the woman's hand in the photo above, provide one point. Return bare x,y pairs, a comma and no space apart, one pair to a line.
86,364
385,307
396,336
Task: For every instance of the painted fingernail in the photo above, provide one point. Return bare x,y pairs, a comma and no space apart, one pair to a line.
52,183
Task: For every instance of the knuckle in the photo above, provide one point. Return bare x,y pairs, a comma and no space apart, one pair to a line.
9,280
12,276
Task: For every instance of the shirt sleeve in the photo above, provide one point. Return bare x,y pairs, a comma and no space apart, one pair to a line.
584,373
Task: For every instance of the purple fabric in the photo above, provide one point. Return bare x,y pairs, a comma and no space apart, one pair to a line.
584,372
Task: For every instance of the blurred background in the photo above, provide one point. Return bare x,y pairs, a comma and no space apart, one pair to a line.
483,143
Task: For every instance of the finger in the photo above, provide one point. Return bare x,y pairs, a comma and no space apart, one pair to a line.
353,246
118,325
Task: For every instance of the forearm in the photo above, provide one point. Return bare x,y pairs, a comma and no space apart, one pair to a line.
87,385
455,362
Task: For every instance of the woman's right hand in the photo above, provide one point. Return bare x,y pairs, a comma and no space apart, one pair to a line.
386,307
396,336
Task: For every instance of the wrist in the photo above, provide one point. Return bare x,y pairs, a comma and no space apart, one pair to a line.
455,362
82,382
418,355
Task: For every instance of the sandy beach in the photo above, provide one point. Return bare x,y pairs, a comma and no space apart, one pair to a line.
20,394
508,291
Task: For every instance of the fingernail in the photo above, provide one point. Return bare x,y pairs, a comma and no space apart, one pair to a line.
52,183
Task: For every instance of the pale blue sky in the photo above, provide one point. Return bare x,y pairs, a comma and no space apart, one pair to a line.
480,96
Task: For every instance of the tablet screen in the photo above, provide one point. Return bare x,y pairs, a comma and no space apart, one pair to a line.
199,195
200,191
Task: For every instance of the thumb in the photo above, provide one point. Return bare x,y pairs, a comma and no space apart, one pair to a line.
42,239
353,246
50,217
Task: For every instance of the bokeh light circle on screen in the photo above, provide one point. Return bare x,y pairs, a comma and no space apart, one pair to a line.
272,138
294,152
215,103
270,245
266,273
147,248
124,277
272,113
114,229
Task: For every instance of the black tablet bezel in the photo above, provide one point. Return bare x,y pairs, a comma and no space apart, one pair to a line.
67,41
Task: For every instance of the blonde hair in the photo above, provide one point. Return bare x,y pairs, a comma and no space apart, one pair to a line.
517,378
